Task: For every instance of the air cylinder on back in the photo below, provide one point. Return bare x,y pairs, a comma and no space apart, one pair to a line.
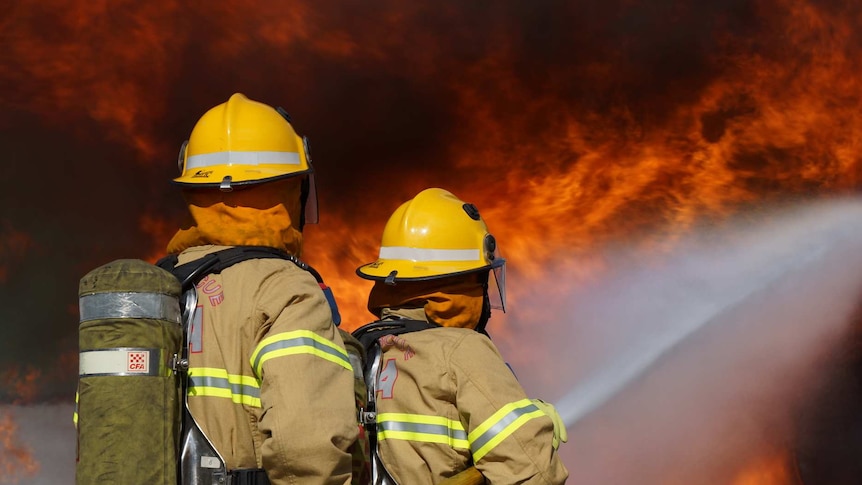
128,395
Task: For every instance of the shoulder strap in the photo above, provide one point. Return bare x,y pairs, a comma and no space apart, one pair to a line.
368,334
214,263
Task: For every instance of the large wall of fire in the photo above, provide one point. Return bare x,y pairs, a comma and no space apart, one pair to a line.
569,124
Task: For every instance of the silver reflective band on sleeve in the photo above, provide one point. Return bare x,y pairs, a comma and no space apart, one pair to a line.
100,306
500,425
428,255
122,361
242,158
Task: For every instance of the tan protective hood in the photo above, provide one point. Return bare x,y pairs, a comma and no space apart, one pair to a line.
450,302
258,215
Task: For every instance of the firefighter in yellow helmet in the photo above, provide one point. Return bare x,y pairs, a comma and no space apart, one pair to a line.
444,399
270,383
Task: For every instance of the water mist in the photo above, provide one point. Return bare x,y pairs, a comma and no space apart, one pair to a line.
686,367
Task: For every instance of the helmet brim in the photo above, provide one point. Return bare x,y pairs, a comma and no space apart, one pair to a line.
381,270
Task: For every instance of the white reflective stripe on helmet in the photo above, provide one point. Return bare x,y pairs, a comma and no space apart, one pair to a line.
242,158
123,361
428,255
101,306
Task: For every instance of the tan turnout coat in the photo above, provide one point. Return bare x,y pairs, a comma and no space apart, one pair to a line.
270,382
446,400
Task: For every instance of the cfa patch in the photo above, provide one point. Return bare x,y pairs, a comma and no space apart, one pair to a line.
138,361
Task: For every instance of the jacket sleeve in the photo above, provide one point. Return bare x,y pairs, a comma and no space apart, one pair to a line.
308,420
510,438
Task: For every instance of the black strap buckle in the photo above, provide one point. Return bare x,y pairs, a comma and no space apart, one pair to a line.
249,476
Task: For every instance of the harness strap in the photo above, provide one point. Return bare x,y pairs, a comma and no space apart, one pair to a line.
249,476
369,334
214,263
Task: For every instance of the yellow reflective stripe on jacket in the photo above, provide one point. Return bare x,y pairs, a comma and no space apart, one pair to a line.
418,427
206,381
297,342
500,425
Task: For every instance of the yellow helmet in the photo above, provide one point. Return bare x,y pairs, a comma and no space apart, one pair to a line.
244,142
436,235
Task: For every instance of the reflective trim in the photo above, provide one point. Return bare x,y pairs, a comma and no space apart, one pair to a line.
500,425
75,414
429,255
242,158
121,361
206,381
418,427
103,306
297,342
356,363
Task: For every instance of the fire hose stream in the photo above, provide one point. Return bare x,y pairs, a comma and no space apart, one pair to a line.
817,245
823,235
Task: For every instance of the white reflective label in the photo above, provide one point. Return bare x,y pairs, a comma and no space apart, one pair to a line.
124,361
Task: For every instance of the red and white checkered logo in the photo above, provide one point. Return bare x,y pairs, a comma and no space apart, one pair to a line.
138,361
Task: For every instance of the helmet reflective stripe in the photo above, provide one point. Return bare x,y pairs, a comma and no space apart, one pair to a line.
501,425
241,142
242,158
294,343
434,235
212,382
100,306
418,427
418,254
118,362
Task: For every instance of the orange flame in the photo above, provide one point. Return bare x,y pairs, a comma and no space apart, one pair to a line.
769,470
16,461
22,383
561,159
161,230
